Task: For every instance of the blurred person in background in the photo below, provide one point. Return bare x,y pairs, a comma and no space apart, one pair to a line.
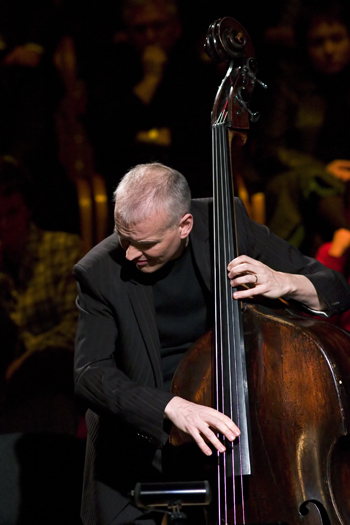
38,313
31,90
336,256
302,143
150,97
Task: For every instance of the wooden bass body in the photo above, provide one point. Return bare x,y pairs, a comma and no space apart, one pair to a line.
298,371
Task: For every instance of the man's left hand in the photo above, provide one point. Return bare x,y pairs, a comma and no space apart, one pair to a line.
253,278
257,279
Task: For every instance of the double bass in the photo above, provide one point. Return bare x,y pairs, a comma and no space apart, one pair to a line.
283,377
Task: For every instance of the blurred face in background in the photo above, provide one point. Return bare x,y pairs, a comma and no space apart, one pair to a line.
328,46
153,23
14,221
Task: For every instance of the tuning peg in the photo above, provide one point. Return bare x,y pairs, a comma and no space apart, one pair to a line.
253,116
262,84
251,73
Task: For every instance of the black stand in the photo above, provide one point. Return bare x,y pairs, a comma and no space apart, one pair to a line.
174,496
176,516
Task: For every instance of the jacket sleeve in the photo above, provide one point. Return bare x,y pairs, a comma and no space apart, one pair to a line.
105,387
261,244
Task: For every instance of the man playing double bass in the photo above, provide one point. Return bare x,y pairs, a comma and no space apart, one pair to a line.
144,298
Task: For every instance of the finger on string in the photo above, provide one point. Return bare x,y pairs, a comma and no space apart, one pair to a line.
245,294
198,438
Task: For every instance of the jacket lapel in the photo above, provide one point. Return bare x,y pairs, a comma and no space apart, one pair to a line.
141,299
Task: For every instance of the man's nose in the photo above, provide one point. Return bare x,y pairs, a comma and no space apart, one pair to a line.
132,253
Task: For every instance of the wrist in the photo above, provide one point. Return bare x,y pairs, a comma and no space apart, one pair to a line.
146,88
169,407
303,291
288,285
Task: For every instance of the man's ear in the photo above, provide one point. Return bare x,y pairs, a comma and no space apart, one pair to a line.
186,225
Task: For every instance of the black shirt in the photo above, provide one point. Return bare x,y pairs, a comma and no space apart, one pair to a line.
183,308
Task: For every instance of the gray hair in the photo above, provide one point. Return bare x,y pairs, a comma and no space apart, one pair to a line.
148,189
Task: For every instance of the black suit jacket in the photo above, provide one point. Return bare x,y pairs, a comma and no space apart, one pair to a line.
117,359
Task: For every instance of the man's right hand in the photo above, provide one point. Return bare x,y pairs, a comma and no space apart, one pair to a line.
201,423
154,61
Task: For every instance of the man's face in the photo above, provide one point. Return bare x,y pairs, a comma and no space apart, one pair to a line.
149,246
329,47
151,24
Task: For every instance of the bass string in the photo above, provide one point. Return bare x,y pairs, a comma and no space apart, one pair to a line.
234,315
225,352
225,324
218,312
